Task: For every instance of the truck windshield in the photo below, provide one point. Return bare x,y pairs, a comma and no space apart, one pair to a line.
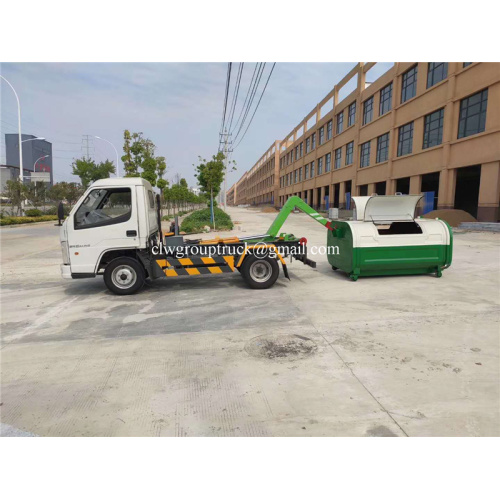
102,207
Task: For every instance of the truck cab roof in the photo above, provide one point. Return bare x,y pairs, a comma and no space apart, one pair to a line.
122,181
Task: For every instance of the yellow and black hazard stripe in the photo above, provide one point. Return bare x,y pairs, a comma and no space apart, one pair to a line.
196,265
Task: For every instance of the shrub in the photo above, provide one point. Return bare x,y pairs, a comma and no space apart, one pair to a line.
9,221
33,212
165,218
53,211
195,222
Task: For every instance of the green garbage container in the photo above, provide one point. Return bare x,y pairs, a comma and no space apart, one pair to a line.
386,239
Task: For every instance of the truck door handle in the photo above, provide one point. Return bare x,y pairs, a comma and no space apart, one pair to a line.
132,233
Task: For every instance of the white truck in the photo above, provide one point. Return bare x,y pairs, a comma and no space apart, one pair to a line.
114,230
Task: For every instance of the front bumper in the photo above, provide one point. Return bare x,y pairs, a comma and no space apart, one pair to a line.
66,271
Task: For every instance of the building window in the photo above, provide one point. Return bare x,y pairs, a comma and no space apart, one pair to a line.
313,141
306,171
329,127
365,154
385,99
296,152
328,162
295,176
308,145
321,138
312,169
320,166
340,122
291,156
349,153
433,129
368,111
436,72
472,118
351,114
409,84
467,64
405,139
338,158
383,148
300,174
301,149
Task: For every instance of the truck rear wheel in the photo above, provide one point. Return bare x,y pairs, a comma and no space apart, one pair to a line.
260,273
124,276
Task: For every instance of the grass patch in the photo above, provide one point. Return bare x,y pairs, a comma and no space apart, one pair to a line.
195,222
9,221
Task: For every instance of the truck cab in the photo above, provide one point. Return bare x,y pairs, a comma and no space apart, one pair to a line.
115,218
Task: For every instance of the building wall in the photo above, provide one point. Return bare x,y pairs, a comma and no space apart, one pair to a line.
438,166
32,150
260,183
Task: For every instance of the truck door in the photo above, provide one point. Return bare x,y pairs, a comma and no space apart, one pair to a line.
105,220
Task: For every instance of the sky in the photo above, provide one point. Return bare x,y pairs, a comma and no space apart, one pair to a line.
176,105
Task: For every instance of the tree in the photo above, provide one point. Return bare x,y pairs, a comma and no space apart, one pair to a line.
14,191
139,159
210,175
69,191
35,193
90,171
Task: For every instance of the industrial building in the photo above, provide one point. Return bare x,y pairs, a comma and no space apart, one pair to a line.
37,157
420,128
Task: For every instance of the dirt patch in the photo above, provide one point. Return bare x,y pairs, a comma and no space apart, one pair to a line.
451,216
281,346
269,210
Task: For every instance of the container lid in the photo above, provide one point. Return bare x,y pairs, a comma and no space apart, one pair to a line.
360,202
391,208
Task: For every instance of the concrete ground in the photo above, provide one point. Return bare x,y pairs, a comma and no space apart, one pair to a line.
206,356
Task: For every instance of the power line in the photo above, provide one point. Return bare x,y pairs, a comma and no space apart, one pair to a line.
246,97
260,71
235,94
257,107
228,80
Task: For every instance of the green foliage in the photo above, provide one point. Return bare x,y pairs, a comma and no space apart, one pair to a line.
69,191
33,212
53,210
89,171
8,221
14,191
35,193
139,159
210,174
195,222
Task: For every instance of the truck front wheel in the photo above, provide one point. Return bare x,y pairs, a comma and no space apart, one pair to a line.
124,276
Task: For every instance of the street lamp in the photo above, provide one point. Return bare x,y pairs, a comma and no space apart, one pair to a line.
117,165
34,139
41,158
19,128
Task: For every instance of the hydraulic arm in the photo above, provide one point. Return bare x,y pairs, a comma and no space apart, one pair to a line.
291,204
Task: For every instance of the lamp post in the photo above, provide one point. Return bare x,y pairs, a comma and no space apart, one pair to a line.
41,158
117,165
19,127
34,139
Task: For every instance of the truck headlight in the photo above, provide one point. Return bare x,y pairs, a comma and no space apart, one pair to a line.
65,253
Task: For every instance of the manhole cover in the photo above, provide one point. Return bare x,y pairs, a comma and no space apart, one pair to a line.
281,346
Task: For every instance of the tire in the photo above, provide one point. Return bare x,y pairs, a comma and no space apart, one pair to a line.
129,281
260,273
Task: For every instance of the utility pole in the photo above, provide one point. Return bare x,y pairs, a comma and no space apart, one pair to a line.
87,144
225,139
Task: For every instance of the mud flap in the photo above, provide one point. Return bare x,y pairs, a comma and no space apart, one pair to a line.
285,271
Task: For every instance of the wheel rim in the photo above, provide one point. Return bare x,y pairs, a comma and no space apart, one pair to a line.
261,271
124,277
